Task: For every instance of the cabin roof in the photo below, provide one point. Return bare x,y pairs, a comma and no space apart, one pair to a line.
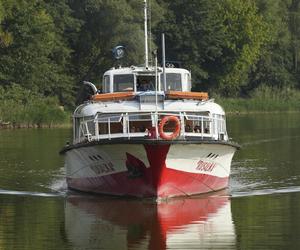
91,109
143,70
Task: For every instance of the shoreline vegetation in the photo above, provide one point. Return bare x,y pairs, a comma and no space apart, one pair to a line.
263,100
22,108
244,53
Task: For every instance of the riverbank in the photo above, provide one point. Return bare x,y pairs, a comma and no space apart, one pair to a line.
35,117
23,108
8,125
244,106
263,100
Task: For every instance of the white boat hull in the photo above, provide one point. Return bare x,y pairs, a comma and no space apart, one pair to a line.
149,170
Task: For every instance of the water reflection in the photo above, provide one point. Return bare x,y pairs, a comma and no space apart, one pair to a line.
106,223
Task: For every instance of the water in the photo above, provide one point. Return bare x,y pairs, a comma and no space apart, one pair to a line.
259,211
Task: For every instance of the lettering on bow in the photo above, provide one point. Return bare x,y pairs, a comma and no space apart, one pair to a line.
205,166
103,168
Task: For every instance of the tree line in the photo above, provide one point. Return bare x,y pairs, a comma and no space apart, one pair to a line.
232,47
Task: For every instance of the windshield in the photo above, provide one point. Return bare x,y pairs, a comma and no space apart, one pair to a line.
123,83
173,81
145,83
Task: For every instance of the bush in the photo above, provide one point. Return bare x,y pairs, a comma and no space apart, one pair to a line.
23,107
264,99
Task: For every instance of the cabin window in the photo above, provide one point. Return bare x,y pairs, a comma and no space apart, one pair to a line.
197,122
174,81
84,128
145,83
91,127
110,123
139,122
123,83
106,84
219,124
77,127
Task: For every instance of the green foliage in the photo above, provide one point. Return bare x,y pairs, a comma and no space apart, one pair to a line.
194,35
232,47
219,40
5,10
107,24
246,33
275,67
23,107
37,56
264,99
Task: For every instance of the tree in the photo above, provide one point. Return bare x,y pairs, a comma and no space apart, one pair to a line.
218,40
246,34
37,56
107,24
294,27
194,35
275,65
5,9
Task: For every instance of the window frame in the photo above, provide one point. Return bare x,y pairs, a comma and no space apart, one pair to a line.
116,86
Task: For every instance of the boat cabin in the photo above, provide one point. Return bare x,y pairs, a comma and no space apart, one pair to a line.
137,79
90,124
130,108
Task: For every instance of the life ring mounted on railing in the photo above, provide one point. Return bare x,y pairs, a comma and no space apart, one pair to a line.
163,122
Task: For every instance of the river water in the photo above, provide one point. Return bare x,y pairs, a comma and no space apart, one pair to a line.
259,211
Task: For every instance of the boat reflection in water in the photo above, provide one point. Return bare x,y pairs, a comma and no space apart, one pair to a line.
109,223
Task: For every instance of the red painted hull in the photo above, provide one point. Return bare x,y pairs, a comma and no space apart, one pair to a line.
155,180
177,184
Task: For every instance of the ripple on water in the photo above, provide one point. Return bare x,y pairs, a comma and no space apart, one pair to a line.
281,190
59,186
28,193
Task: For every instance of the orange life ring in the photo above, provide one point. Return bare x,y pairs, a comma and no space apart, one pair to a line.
163,122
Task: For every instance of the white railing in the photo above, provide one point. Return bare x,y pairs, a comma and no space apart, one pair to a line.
104,126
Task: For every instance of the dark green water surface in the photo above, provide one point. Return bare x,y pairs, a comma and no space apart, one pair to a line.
261,209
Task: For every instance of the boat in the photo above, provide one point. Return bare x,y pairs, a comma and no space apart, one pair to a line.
190,223
146,134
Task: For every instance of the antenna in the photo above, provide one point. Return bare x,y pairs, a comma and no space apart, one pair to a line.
146,33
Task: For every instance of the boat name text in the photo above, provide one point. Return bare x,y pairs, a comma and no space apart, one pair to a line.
205,166
103,168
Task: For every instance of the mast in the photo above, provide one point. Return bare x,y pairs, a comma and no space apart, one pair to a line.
146,33
164,61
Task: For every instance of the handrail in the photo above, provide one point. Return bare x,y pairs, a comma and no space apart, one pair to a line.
211,127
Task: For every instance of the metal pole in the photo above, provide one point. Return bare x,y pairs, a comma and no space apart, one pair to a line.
156,81
146,33
164,61
156,84
108,124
